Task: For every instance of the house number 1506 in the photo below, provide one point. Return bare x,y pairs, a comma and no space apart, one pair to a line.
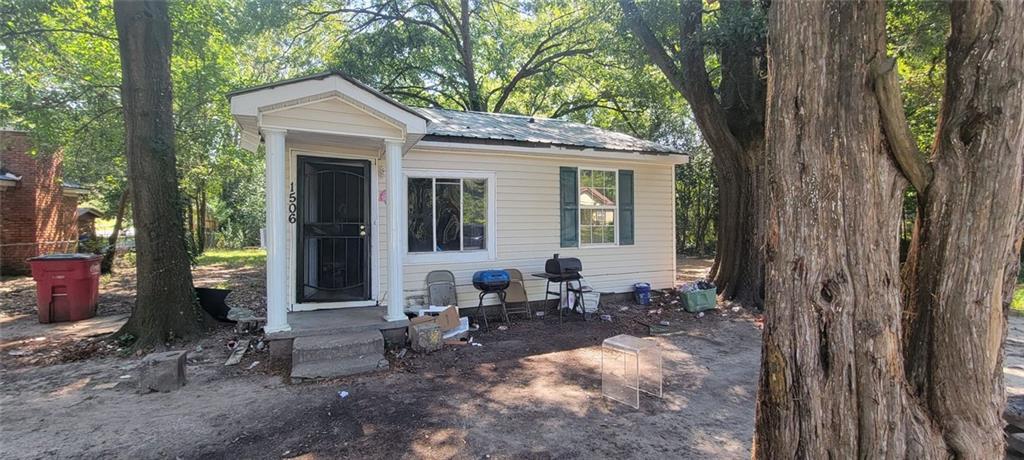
291,205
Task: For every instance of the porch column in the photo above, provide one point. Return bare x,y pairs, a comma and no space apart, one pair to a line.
277,207
396,205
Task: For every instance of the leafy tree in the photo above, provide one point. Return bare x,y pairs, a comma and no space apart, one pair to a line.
715,59
165,303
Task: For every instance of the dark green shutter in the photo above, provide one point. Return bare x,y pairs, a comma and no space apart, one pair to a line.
626,212
569,198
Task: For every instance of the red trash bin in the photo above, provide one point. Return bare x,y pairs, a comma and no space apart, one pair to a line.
67,286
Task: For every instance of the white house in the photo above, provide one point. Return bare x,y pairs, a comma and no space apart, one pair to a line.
365,196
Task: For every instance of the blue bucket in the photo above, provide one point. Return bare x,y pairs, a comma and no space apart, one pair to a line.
642,293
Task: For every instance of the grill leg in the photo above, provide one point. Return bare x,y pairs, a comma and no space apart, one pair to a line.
504,312
482,312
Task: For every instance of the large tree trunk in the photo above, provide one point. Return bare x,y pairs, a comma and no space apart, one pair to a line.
964,256
738,270
732,124
838,377
107,264
165,304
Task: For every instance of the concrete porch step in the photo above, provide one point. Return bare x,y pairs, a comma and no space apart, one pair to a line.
336,346
330,368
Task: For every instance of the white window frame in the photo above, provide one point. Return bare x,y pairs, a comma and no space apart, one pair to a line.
473,255
579,208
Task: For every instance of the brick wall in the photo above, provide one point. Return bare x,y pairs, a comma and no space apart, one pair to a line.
35,217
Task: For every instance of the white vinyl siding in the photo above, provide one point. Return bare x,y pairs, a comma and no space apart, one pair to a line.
527,224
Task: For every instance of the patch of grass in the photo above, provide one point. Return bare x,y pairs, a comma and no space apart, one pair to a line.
233,258
1017,304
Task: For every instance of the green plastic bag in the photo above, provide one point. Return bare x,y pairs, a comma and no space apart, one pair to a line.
699,300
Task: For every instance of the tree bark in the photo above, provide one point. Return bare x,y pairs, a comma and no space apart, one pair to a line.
843,374
732,126
165,303
964,259
107,264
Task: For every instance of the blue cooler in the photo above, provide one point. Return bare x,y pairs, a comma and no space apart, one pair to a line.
642,293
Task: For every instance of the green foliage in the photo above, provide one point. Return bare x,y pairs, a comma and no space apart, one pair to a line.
233,258
696,204
917,31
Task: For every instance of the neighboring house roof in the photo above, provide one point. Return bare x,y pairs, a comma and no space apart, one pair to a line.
87,210
532,130
497,128
596,197
72,188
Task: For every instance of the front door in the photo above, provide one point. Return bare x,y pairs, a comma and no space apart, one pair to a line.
333,216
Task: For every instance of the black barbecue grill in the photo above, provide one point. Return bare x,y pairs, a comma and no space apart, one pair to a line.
565,270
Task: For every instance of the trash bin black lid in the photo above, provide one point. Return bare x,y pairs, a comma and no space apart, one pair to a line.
78,256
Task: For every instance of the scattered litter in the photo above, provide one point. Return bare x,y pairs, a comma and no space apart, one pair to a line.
232,344
342,394
239,351
503,328
538,314
106,386
735,309
19,352
664,323
260,345
125,377
623,308
606,317
700,315
254,364
39,339
401,353
476,344
199,348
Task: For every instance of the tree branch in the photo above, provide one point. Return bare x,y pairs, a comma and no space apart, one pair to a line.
894,123
691,80
40,31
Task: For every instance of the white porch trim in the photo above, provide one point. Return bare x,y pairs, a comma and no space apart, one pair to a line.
396,231
277,231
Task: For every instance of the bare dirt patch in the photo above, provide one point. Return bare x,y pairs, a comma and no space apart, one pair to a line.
532,390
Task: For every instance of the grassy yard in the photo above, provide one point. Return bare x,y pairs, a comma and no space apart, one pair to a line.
233,258
1018,299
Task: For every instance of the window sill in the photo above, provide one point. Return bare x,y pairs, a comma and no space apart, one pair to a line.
423,258
599,246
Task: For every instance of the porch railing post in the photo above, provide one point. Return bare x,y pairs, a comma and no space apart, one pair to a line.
277,256
396,205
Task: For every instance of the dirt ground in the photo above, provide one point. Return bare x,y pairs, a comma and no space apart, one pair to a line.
530,391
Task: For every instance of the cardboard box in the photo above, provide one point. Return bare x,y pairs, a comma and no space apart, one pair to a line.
446,318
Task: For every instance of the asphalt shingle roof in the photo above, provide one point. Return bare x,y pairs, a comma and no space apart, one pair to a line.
519,128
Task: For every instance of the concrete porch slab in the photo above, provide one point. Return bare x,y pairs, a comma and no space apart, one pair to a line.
335,321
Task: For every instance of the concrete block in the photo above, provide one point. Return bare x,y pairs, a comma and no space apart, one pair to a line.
395,338
163,371
313,370
280,353
326,347
425,337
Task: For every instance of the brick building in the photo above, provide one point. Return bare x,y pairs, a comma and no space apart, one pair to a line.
37,209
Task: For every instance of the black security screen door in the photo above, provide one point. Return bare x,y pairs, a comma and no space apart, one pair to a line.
333,223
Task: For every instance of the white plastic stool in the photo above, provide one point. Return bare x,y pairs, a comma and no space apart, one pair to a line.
630,365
